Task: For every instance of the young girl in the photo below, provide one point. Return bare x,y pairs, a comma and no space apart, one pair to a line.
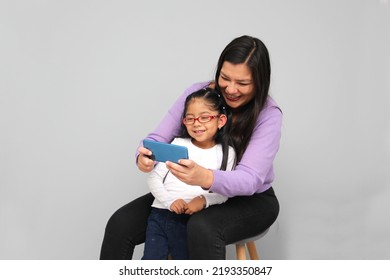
203,132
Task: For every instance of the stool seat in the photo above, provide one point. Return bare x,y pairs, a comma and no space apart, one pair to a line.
250,244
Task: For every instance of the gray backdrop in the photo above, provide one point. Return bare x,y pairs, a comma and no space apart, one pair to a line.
81,82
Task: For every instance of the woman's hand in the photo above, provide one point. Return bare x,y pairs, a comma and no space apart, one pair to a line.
144,163
191,173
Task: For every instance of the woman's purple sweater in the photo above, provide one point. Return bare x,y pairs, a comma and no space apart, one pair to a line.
254,172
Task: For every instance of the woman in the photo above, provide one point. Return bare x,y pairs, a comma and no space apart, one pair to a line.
243,78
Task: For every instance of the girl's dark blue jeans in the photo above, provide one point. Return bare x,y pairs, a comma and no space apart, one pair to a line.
166,233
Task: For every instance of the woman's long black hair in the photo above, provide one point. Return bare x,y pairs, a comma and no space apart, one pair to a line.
216,103
252,52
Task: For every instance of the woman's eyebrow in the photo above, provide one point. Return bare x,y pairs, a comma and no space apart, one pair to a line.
245,81
241,81
223,74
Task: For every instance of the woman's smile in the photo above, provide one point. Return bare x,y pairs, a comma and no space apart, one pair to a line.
232,98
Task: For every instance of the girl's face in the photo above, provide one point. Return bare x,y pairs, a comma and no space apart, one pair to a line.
235,81
203,134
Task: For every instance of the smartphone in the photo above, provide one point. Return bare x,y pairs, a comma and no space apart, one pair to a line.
166,152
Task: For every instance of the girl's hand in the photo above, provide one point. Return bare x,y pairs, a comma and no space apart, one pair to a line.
144,163
191,173
179,206
195,205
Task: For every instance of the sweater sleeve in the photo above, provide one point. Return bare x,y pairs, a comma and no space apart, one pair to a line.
254,173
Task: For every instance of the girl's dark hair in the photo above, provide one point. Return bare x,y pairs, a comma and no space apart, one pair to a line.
217,103
254,54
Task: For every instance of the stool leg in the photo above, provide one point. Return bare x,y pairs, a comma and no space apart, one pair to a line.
252,250
240,251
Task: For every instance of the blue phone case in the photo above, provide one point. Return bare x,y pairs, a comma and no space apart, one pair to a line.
163,152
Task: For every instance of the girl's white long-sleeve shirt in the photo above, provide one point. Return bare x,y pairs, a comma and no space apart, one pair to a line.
166,188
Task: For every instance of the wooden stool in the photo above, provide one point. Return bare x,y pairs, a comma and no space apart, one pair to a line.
250,244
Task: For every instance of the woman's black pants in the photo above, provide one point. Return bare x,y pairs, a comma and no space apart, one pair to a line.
209,231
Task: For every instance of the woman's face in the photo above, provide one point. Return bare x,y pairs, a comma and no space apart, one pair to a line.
236,84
